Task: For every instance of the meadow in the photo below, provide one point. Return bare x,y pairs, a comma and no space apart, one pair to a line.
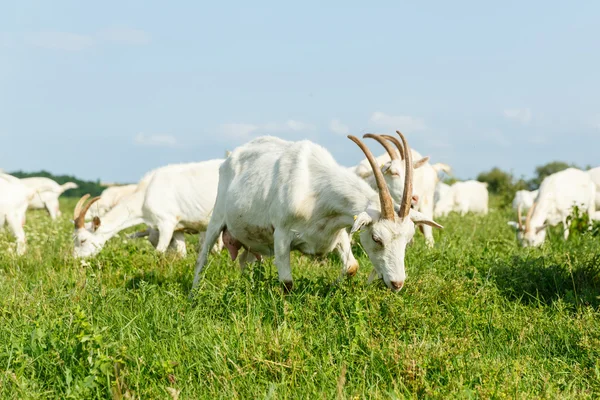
479,317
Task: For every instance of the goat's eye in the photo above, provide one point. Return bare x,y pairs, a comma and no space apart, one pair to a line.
377,240
83,241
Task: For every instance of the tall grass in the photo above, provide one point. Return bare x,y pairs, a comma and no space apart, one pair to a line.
478,317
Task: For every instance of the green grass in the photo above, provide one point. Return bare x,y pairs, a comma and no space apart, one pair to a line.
478,317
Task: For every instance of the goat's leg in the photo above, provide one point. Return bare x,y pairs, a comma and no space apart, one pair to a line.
566,227
178,243
14,224
165,234
282,243
212,234
344,249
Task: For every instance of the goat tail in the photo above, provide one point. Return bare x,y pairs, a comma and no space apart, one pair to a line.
67,186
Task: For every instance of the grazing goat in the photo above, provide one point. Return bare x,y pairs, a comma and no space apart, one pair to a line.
426,177
275,196
463,197
170,200
47,199
524,199
557,195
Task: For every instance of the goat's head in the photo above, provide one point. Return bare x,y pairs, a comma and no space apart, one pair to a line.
86,243
393,170
528,235
385,232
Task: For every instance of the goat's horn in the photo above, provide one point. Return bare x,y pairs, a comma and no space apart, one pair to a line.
519,217
528,219
387,205
388,147
395,140
408,180
80,221
79,204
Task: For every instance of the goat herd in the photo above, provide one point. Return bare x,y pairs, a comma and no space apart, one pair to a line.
271,196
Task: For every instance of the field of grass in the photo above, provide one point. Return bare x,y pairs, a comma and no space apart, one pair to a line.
478,317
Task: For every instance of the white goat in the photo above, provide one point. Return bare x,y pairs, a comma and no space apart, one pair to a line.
463,197
109,198
275,196
525,199
47,199
557,195
595,175
426,177
441,190
14,199
170,200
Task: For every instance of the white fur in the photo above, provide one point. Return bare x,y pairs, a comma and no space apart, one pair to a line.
557,195
14,199
275,196
47,199
463,197
595,175
170,200
525,199
441,190
181,198
109,198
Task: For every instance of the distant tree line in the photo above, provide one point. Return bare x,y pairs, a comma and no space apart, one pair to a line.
505,185
93,188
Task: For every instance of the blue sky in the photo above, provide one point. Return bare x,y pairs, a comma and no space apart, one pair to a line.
113,89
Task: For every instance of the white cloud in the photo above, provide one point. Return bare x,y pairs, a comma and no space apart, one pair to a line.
336,126
60,41
298,126
155,140
522,115
244,131
398,122
125,35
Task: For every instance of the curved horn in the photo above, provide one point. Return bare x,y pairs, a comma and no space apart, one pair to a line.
388,147
395,140
79,204
387,205
519,217
80,221
408,180
528,219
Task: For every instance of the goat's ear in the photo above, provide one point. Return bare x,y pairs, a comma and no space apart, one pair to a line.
419,218
420,163
513,224
392,168
361,220
541,228
95,224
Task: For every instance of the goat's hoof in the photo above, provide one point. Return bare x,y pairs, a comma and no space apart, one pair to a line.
288,286
352,270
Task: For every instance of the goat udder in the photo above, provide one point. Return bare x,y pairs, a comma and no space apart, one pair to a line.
232,244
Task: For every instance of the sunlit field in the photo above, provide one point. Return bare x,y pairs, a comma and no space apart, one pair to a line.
478,317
